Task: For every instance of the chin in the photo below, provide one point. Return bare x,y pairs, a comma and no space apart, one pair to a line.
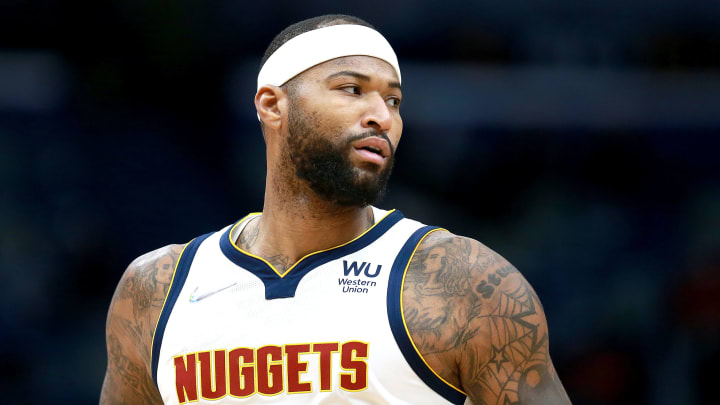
368,176
369,170
370,166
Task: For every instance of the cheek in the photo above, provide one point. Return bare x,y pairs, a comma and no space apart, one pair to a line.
396,131
337,124
326,118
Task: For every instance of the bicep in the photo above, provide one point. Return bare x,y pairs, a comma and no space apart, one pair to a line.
506,357
127,378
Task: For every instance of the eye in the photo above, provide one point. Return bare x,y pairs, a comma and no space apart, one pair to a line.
394,102
351,88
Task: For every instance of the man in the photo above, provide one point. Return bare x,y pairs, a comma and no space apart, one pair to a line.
322,298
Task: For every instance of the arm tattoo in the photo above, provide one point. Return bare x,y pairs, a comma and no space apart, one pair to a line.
466,307
130,327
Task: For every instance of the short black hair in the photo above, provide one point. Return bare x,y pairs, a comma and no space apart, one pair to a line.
308,25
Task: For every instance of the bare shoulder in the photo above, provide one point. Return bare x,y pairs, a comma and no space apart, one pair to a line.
131,321
141,291
472,266
478,323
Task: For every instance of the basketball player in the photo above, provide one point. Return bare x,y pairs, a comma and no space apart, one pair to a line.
323,298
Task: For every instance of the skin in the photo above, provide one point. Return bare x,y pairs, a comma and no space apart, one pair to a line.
133,314
473,317
295,221
478,323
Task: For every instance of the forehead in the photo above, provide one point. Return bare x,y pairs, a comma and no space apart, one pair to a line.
368,65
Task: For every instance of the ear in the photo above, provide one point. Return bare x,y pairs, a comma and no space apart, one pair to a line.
271,104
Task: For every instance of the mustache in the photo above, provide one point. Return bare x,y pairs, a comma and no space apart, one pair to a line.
369,133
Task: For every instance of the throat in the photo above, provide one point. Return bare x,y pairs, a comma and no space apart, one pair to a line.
283,239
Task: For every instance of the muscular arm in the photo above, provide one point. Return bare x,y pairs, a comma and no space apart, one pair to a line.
479,324
130,326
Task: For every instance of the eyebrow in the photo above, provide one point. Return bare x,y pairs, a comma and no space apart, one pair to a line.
360,76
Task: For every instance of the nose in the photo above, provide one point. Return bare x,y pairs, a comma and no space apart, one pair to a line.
378,114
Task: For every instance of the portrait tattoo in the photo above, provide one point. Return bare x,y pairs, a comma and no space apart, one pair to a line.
463,301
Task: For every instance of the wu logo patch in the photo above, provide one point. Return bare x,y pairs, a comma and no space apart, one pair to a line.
363,268
358,285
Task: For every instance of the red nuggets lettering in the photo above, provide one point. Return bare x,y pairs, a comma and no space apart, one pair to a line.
265,370
241,366
295,367
186,378
351,351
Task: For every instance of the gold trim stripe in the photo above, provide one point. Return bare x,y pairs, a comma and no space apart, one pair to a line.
282,275
172,281
402,313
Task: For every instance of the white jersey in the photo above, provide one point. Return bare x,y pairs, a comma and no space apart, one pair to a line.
330,330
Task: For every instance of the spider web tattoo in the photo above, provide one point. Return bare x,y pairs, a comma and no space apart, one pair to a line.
479,324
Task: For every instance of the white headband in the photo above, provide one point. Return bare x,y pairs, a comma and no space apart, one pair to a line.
323,44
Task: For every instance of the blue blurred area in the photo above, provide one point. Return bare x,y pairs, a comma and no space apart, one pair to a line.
577,139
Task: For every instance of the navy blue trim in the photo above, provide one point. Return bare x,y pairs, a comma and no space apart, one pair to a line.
284,287
398,327
181,273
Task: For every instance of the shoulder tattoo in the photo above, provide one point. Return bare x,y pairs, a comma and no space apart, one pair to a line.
130,327
478,323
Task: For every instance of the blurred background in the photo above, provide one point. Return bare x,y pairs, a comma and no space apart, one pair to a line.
577,139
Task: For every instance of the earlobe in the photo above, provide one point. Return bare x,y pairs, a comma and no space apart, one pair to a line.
270,105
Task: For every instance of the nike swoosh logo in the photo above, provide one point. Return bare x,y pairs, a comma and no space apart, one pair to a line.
196,298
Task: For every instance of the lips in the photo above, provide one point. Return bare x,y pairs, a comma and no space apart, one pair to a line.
374,145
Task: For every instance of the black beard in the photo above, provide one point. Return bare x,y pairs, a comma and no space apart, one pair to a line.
327,168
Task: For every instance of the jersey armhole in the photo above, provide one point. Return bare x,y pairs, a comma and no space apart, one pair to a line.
182,268
399,327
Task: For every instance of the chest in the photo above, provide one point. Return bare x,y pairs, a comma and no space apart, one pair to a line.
235,330
225,338
342,299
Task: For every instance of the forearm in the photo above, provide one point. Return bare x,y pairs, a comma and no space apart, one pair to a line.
116,391
127,380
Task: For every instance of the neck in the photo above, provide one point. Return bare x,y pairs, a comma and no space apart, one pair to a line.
295,222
